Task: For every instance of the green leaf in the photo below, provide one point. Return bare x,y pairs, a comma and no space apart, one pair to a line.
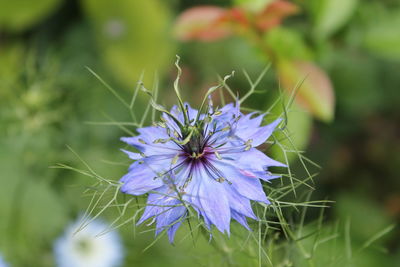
315,92
287,43
382,37
19,15
132,36
253,5
330,15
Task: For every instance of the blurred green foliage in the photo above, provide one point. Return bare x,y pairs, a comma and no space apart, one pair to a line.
330,15
133,36
20,15
47,98
381,36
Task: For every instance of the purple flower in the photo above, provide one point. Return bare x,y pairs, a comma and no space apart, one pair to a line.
206,161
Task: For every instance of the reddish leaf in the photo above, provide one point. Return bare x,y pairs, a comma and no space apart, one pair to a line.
274,13
236,15
204,23
316,91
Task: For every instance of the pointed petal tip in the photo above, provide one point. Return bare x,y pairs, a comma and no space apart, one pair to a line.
124,139
172,231
279,164
276,122
132,155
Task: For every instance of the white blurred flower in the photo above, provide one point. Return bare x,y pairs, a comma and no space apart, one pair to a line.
2,262
86,248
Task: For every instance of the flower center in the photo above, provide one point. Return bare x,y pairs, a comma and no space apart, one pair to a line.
196,155
84,246
194,149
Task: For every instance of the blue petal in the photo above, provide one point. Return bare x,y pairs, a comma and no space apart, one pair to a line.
191,194
172,230
258,160
255,163
252,159
246,122
192,113
229,113
170,214
240,219
247,186
213,200
171,124
192,197
239,203
258,135
152,133
146,141
149,148
207,222
140,182
166,208
162,164
154,205
228,108
252,163
132,155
